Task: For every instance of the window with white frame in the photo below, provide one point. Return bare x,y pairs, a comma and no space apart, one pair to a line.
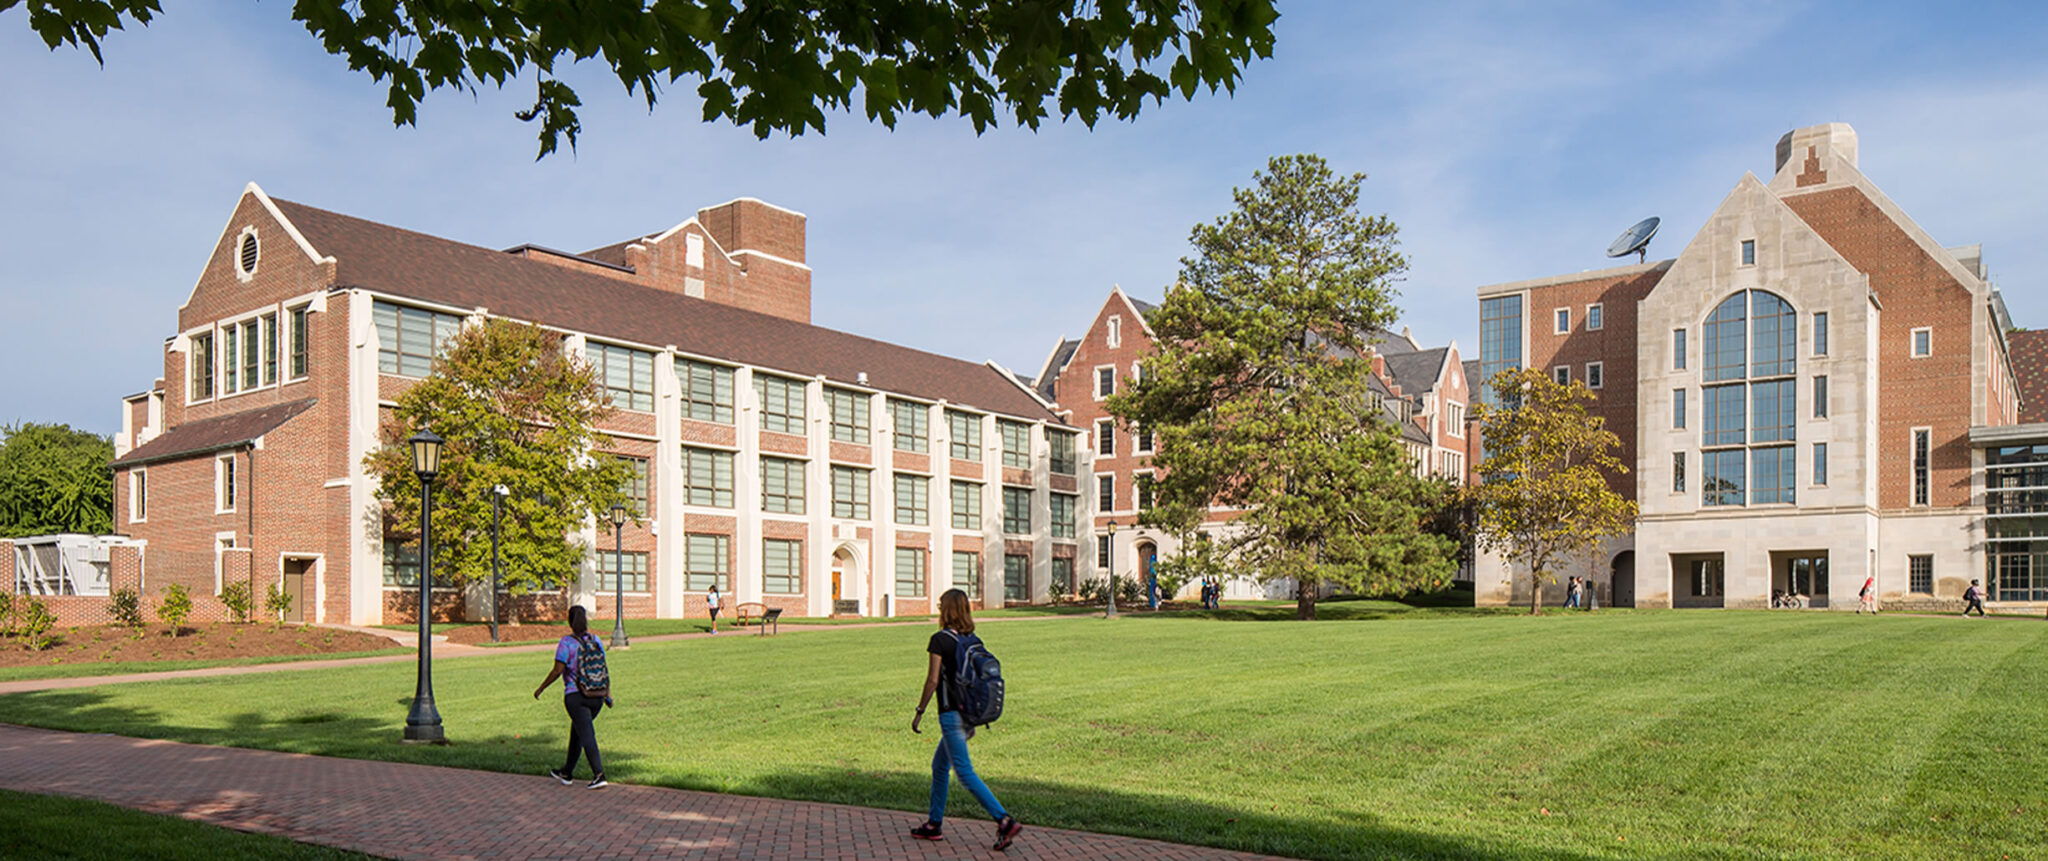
1062,446
1920,574
1923,342
612,565
1820,333
1141,487
1105,492
1454,420
910,576
1102,551
707,562
706,391
269,322
1678,472
1105,381
781,566
966,505
1596,375
965,429
1141,440
1016,438
782,403
967,572
627,374
1105,438
1017,510
1562,375
1063,507
849,412
138,495
301,342
1820,464
201,359
1016,577
409,339
1678,349
224,484
1749,252
782,485
1820,396
913,503
1923,454
1678,409
912,422
1563,321
1594,315
849,493
637,489
707,477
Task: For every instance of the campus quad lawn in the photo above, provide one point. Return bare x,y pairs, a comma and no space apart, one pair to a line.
1433,734
48,827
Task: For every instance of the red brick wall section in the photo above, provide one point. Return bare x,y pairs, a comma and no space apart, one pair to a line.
2030,369
1916,292
1613,345
6,566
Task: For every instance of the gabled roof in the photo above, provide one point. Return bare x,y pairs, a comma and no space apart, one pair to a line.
1417,370
1472,381
214,434
405,263
1055,362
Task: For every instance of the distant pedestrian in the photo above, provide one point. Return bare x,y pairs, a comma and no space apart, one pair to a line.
586,690
1974,597
1571,593
942,669
1867,598
711,601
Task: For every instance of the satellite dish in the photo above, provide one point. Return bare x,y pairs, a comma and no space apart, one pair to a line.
1636,239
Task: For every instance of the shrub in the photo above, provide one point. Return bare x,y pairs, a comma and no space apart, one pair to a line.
176,606
126,607
33,623
239,600
6,614
277,602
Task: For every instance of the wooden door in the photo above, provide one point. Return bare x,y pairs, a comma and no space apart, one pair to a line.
297,574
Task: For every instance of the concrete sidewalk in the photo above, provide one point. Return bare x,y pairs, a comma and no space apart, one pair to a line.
418,811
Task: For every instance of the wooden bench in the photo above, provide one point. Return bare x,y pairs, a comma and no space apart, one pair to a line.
760,614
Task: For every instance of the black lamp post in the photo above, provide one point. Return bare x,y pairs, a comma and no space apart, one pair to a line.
1111,613
498,495
619,577
423,722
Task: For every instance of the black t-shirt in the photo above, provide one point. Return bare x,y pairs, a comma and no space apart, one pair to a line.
946,645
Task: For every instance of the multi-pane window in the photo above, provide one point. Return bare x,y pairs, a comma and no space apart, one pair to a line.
1105,382
1062,576
1596,375
913,425
1923,343
1920,574
1017,510
408,339
1820,464
1016,442
1772,405
1726,421
1749,252
269,349
913,505
966,431
1727,339
1595,317
782,485
1772,472
253,350
224,489
301,343
966,505
1102,551
1105,493
1063,507
1454,420
1062,447
707,477
609,570
1724,482
638,497
1678,349
1561,375
1141,484
781,566
231,370
1105,438
1820,333
201,358
627,374
849,493
1016,577
1922,442
849,411
1678,472
1775,328
910,577
1564,320
138,495
402,564
1820,396
706,391
1678,409
782,403
1142,440
967,572
707,561
1500,340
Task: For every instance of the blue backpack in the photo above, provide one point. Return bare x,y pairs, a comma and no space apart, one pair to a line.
978,680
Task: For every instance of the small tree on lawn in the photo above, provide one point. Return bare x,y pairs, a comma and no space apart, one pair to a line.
176,606
1544,497
1257,392
515,411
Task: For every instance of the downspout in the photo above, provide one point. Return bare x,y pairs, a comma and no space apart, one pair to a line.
255,598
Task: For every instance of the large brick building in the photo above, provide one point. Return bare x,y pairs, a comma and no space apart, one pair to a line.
1812,392
794,465
1422,390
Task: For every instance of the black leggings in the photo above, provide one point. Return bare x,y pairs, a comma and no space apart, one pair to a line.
582,735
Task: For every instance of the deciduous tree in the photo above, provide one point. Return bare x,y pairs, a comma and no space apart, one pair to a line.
515,411
1258,399
55,479
1544,496
774,66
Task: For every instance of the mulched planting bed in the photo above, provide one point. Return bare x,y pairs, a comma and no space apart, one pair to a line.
98,644
470,635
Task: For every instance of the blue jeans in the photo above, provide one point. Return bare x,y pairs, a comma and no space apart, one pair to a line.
951,757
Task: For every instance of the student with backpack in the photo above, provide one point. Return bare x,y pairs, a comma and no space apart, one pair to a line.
969,683
586,690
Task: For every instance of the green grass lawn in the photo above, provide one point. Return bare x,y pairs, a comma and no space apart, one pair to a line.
1428,733
115,668
49,827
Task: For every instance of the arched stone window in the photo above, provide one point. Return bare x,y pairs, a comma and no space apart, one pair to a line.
1751,353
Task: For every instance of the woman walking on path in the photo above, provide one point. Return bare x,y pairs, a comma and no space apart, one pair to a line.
942,667
1974,599
582,705
712,601
1867,599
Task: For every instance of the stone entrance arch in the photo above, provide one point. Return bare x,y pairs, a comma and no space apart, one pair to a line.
1622,588
845,584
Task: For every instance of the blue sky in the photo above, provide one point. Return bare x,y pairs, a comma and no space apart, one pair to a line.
1507,141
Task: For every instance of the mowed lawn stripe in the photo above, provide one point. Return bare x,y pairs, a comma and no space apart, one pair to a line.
1644,734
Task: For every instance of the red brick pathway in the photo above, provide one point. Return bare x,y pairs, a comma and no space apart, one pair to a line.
419,811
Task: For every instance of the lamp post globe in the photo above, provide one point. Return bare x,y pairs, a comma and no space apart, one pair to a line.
1111,612
423,721
618,515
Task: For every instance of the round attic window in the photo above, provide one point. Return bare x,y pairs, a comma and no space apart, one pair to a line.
250,249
